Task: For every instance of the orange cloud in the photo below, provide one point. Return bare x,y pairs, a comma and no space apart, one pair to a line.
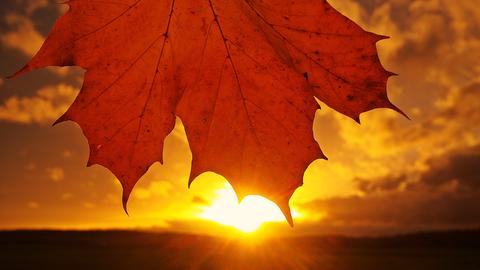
155,188
56,174
45,107
25,37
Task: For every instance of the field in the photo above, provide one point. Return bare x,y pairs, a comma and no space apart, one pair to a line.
135,250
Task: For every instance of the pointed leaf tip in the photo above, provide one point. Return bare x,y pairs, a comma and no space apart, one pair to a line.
382,37
391,74
240,197
285,208
61,119
125,196
190,181
191,178
357,119
395,108
25,69
90,162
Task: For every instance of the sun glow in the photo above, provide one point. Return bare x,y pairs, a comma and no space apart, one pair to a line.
247,216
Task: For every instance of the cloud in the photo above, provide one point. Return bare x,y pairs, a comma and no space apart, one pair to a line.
389,147
387,144
24,37
33,5
431,40
393,183
450,125
446,195
402,212
456,171
56,174
155,188
46,106
461,168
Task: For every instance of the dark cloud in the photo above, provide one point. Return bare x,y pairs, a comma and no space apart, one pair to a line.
380,185
445,196
43,13
407,210
399,213
460,167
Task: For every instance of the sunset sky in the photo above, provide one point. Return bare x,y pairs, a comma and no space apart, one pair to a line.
387,175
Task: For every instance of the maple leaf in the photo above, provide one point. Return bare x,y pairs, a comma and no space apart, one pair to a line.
242,76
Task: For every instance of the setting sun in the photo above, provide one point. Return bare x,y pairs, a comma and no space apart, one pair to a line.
247,216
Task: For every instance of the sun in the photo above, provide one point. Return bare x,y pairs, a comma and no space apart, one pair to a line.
247,216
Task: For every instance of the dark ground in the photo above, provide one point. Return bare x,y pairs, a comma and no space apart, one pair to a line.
143,250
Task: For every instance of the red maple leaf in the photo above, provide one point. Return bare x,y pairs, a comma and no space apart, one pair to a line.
242,76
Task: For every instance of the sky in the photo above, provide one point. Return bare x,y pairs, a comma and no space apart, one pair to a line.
387,175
